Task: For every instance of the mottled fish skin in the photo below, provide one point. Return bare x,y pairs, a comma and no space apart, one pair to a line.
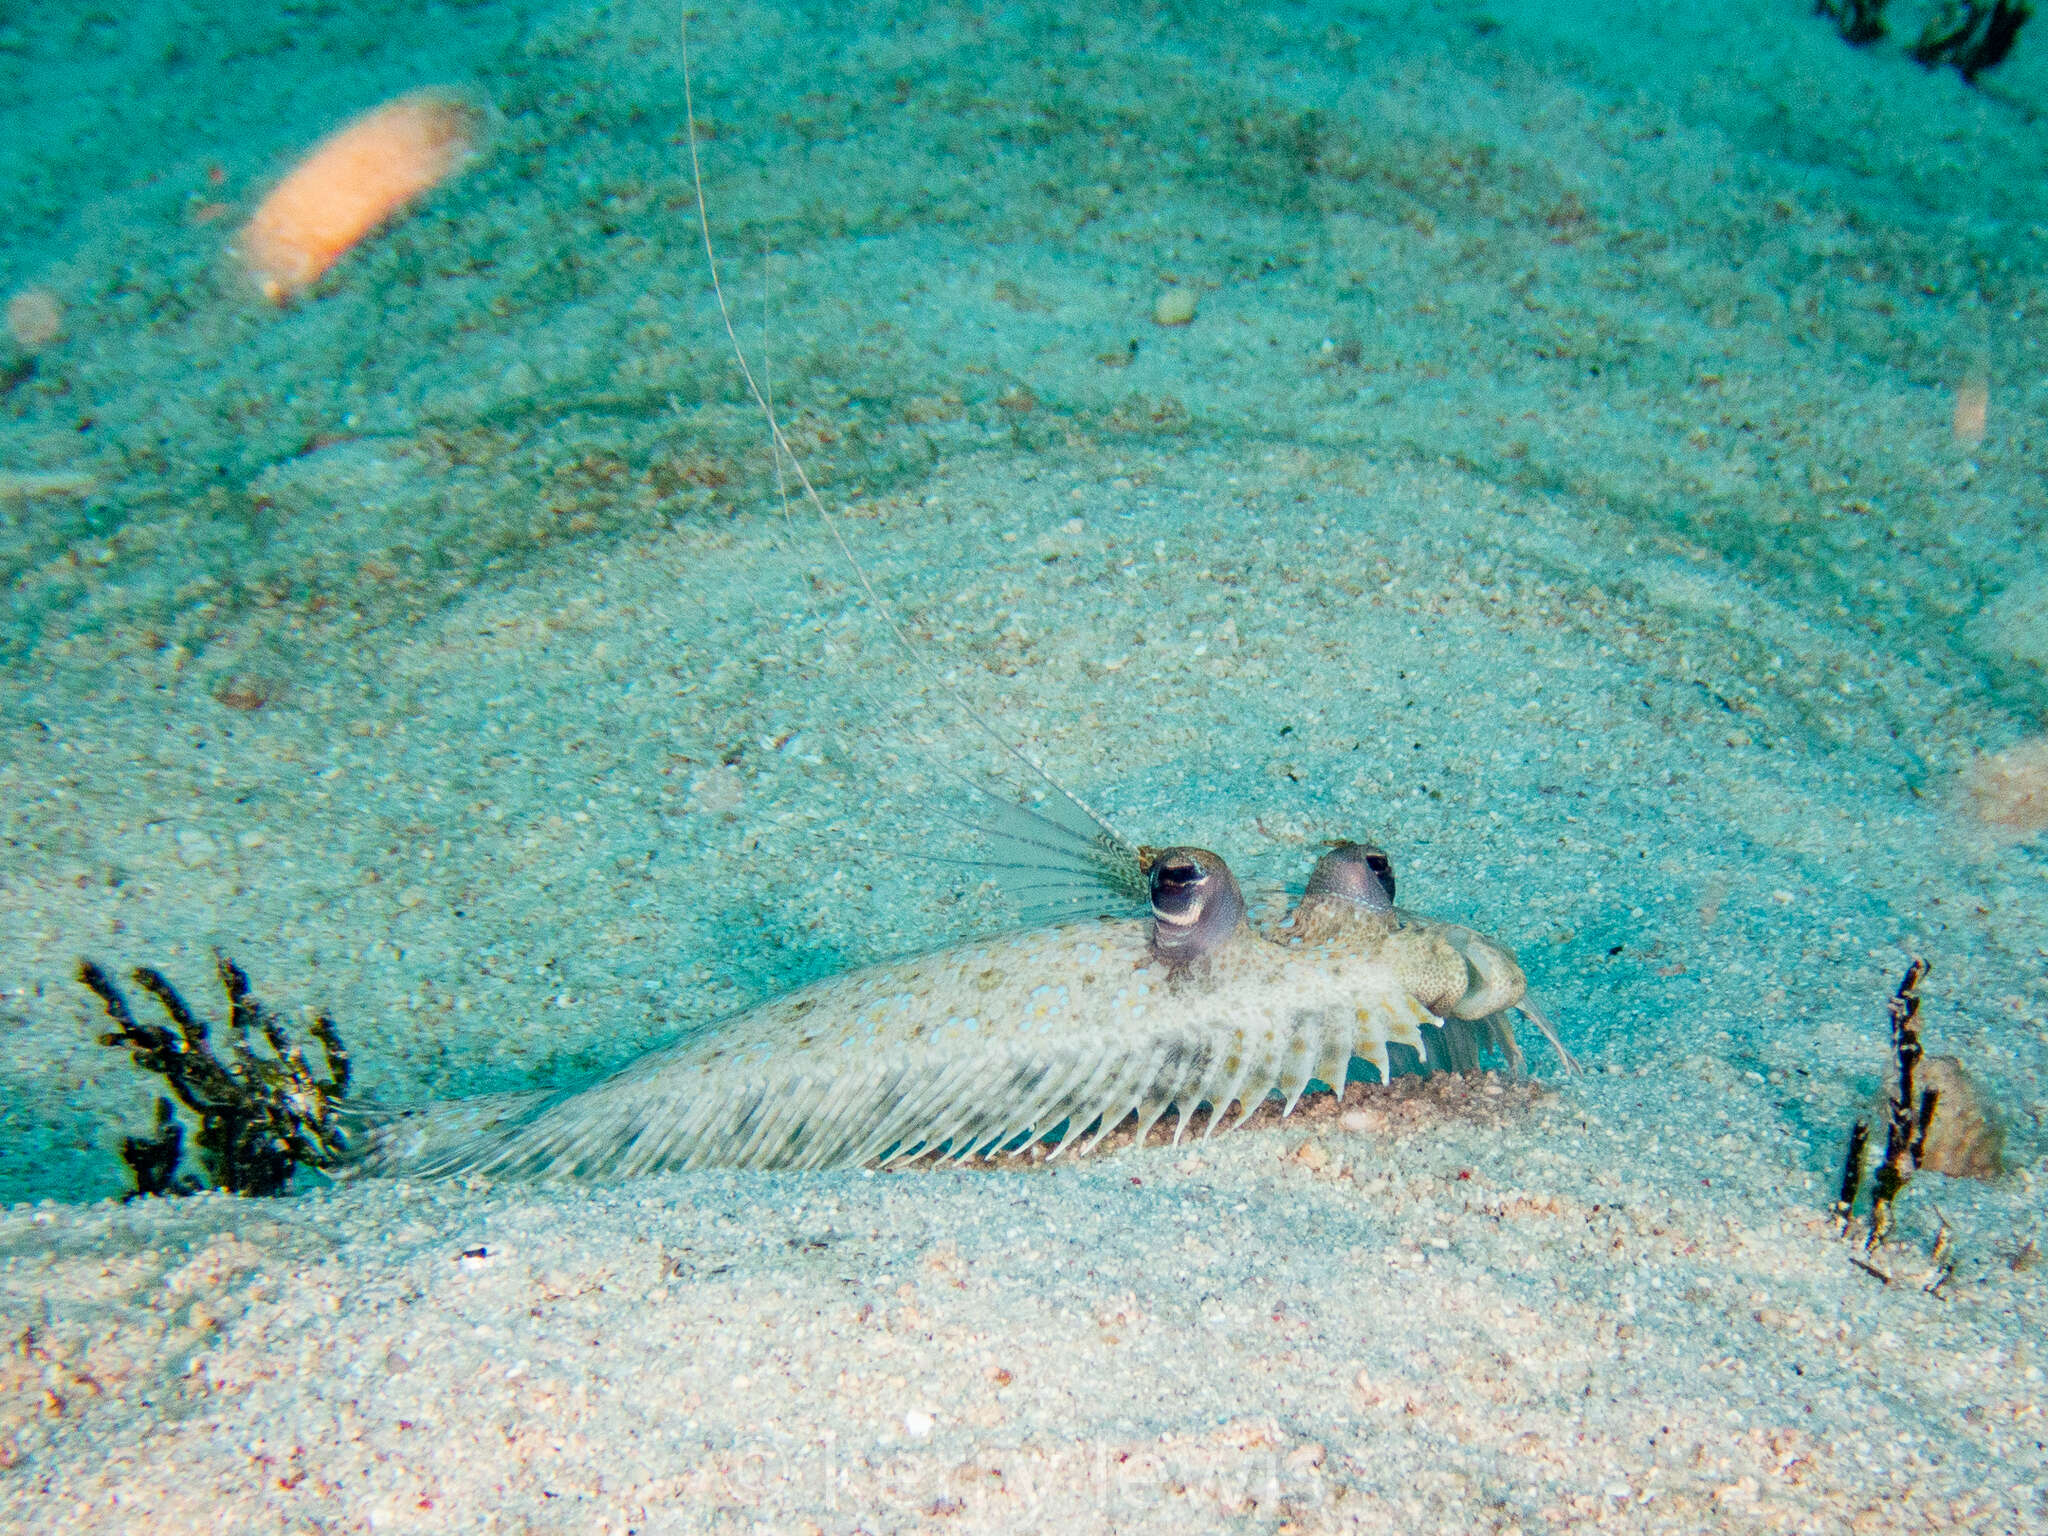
972,1049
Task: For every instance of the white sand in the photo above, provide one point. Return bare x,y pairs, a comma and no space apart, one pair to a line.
1479,1314
1616,568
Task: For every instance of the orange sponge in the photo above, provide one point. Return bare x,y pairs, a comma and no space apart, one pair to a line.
355,179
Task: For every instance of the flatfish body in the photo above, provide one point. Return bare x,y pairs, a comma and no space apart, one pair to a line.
970,1049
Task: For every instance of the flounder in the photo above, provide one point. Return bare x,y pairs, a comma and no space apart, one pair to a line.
1174,1003
991,1046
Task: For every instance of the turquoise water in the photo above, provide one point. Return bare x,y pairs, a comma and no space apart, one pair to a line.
1631,343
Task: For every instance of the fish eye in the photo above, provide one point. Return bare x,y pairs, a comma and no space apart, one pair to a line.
1383,867
1196,905
1179,890
1358,872
1181,885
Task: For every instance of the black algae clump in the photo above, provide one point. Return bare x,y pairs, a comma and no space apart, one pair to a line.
1859,21
262,1113
1971,34
153,1160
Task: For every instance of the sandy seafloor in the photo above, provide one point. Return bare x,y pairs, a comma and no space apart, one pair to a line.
1558,483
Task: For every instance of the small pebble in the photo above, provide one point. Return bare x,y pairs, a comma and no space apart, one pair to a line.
1305,1457
1312,1156
1175,306
35,319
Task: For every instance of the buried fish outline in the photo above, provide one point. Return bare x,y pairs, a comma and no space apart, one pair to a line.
989,1046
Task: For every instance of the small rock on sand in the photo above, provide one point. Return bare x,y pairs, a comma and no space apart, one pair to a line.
1175,306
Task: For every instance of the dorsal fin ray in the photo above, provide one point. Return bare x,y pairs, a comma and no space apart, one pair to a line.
1104,864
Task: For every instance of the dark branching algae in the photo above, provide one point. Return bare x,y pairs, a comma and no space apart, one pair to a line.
1911,1109
262,1113
153,1160
1971,34
1859,21
1964,1143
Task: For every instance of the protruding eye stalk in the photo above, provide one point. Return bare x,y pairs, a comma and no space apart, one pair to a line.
1358,872
1196,905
